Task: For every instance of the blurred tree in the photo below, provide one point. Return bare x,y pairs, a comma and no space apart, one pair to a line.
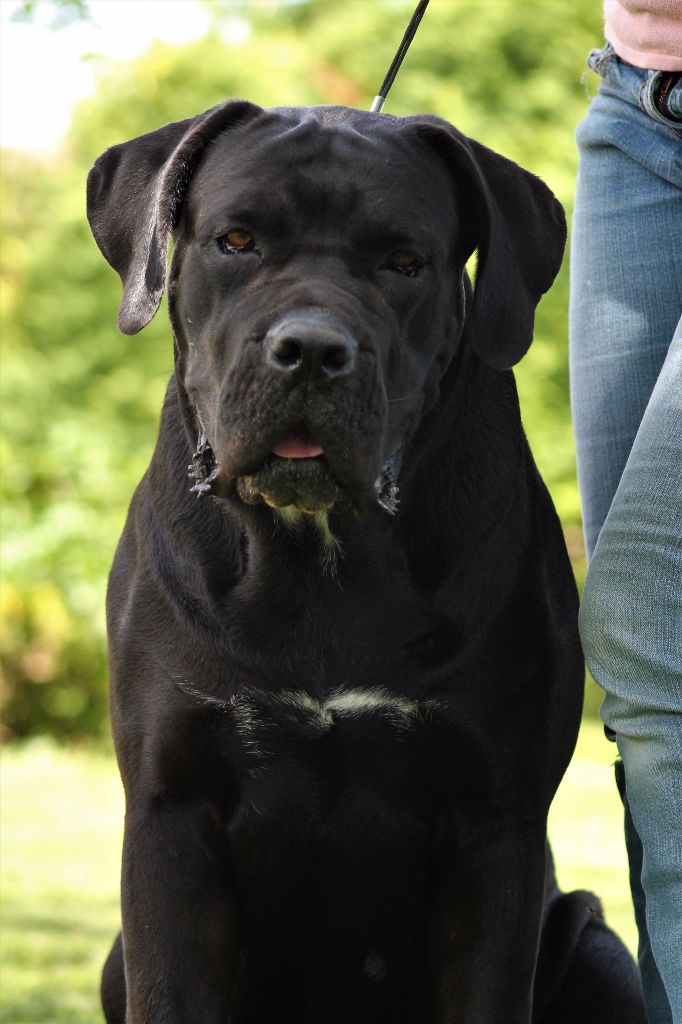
59,13
81,402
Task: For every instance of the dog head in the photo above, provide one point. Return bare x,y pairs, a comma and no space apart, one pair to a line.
317,286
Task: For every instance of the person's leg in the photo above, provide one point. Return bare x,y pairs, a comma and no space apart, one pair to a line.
631,624
626,278
626,296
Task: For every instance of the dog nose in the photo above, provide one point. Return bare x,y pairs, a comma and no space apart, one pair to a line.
310,347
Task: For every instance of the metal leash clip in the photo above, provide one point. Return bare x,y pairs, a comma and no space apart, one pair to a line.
386,487
203,468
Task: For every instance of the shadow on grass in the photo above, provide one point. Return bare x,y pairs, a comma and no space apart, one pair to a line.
52,958
15,920
61,914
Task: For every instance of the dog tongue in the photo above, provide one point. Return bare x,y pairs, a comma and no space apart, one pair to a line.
297,446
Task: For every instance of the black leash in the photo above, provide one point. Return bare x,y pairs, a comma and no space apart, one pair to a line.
380,98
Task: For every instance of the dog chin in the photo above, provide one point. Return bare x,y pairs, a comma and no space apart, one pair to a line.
306,485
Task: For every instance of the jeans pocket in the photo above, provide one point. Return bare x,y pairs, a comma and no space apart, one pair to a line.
661,98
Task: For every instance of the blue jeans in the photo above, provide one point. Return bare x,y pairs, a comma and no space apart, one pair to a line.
626,393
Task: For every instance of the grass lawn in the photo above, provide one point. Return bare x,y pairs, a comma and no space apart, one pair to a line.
62,814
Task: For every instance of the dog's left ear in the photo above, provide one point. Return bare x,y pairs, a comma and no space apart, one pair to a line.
134,198
519,229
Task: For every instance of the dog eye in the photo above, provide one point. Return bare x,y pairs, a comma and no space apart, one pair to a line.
404,262
236,241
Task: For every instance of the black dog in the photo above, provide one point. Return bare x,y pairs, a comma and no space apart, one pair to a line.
340,722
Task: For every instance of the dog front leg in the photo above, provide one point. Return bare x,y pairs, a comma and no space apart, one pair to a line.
179,922
486,927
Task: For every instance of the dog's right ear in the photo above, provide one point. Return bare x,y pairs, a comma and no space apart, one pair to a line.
519,230
134,198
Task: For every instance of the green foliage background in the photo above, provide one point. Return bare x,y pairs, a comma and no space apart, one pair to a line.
81,402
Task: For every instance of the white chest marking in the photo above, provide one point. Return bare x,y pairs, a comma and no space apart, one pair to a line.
402,711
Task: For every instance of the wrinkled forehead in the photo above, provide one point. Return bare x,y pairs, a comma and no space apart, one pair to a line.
302,165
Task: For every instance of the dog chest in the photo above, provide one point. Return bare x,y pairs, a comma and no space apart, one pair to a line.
318,760
330,841
337,798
